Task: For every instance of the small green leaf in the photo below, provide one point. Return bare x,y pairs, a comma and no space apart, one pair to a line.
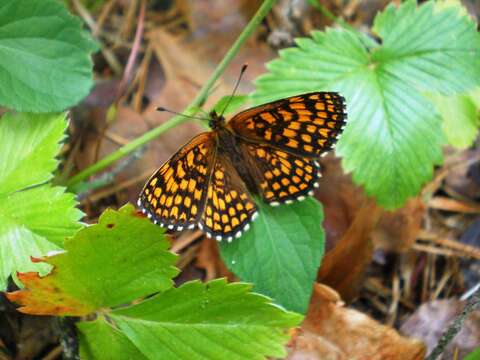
229,104
34,219
281,254
45,60
474,355
207,321
393,137
116,261
99,335
460,118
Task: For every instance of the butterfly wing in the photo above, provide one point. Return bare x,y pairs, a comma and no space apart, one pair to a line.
307,125
228,206
174,196
280,176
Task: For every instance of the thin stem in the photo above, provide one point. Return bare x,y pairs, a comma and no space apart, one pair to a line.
327,13
190,110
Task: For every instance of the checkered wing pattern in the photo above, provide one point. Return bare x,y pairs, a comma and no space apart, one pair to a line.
281,177
174,196
307,125
228,206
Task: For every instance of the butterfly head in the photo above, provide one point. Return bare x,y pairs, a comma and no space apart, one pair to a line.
216,121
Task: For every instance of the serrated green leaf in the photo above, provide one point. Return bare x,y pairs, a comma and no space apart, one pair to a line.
393,136
460,118
45,60
228,104
281,254
116,261
99,340
34,219
207,321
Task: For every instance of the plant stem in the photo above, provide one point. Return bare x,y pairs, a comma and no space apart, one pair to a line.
190,110
327,13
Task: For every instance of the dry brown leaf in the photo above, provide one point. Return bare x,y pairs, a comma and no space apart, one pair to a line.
208,259
432,319
332,331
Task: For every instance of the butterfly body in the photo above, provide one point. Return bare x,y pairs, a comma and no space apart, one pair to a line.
269,151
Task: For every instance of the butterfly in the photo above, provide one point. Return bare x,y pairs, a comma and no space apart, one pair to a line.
269,151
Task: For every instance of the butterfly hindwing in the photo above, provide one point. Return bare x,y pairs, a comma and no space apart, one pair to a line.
174,196
228,205
306,125
280,176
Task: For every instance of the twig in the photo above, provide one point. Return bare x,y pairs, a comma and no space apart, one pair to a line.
456,326
190,110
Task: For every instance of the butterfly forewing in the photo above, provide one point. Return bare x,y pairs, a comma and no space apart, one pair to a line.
174,196
228,205
306,125
280,176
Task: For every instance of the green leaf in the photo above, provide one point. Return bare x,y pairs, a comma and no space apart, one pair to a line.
207,321
34,219
116,261
281,254
45,60
393,137
460,118
228,104
474,355
99,335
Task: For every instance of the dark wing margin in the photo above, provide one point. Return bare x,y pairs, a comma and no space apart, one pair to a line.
306,125
174,196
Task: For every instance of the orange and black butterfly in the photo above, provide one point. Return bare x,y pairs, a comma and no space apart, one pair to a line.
269,150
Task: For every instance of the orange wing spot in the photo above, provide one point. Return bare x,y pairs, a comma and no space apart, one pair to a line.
285,169
194,210
308,148
322,114
324,132
228,198
235,222
319,122
269,194
285,181
162,199
191,185
169,201
217,227
234,194
304,119
314,97
157,192
169,173
239,207
158,212
331,124
308,168
282,194
227,229
174,212
302,186
299,172
243,196
149,198
327,96
295,99
289,133
209,222
231,211
183,184
178,199
296,179
294,125
276,172
197,194
292,143
225,218
249,206
174,188
334,116
183,216
187,202
306,138
216,216
267,117
209,210
320,106
154,181
322,142
219,174
305,113
276,186
243,216
293,189
297,106
250,125
154,203
282,154
165,213
268,135
222,204
330,108
286,116
190,158
268,175
298,162
261,153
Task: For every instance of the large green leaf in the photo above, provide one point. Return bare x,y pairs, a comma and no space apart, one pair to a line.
45,60
34,218
281,254
393,135
207,321
118,260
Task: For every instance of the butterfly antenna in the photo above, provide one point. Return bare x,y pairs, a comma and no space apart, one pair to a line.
162,109
242,71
